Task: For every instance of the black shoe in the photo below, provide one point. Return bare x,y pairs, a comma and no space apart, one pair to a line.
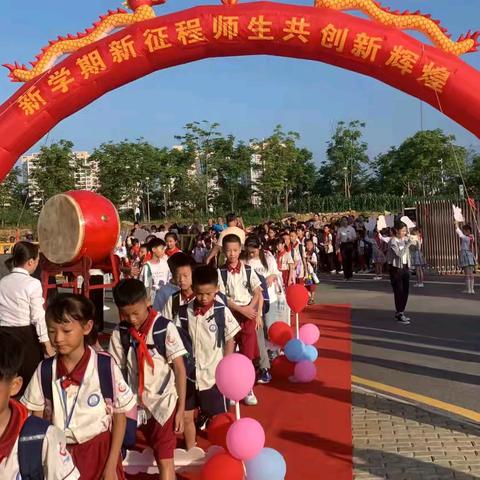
264,376
401,318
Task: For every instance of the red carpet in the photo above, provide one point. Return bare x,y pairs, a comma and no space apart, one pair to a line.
311,424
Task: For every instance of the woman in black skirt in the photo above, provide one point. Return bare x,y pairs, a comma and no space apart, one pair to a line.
21,307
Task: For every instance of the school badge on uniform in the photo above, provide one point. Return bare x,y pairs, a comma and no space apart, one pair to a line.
213,328
93,400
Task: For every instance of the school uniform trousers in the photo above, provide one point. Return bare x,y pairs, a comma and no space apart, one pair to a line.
400,280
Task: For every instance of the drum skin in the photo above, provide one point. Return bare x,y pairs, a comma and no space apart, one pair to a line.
76,224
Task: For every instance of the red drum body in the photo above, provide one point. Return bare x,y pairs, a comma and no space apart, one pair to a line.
76,224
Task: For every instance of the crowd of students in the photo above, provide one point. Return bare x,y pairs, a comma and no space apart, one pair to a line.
179,314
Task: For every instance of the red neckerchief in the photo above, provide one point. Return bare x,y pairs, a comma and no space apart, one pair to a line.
199,310
17,418
236,269
143,355
172,252
75,377
187,299
296,244
279,259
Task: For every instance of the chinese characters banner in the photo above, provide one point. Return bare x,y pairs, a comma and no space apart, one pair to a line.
363,46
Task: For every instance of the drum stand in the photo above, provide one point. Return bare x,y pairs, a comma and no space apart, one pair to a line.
79,269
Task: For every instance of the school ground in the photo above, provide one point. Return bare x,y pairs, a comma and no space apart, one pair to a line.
415,388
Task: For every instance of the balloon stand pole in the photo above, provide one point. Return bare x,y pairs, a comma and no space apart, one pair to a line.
237,410
297,325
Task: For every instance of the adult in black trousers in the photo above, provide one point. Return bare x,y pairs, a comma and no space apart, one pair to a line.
398,257
346,237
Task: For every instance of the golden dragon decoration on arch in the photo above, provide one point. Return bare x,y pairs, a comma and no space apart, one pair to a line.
143,10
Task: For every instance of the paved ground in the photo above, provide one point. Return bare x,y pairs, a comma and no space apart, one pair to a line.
398,441
437,355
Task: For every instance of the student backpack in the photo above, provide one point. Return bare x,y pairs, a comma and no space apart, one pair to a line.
105,377
218,316
159,337
30,448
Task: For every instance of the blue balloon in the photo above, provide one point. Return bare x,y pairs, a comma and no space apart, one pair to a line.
311,353
295,350
267,465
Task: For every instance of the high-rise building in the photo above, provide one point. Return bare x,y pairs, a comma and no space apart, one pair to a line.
86,174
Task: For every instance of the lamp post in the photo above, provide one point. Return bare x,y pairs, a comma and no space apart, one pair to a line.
147,180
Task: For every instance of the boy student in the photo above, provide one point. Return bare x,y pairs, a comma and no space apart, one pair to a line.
163,295
149,348
155,273
243,289
28,445
181,266
211,328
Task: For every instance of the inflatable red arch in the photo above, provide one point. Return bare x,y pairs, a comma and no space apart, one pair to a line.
432,74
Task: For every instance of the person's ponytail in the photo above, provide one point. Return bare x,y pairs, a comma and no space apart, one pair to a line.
21,254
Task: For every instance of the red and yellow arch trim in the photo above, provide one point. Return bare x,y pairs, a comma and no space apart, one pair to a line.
315,33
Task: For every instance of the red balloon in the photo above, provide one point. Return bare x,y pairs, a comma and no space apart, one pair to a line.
218,428
280,333
282,368
223,467
297,297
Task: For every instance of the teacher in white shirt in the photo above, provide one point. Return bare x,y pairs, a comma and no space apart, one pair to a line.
346,237
21,307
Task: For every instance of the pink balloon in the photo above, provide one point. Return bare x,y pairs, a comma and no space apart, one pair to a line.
235,376
305,371
245,439
309,334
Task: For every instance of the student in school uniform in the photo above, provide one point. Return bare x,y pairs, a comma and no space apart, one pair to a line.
285,262
212,328
155,370
69,390
298,255
163,295
243,289
171,241
21,308
46,452
182,267
155,273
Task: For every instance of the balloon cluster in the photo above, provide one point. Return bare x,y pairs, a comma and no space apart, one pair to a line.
242,438
298,363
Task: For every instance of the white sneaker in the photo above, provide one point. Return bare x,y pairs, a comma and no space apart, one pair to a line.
378,278
332,272
250,399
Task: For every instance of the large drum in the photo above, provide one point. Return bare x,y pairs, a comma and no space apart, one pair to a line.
78,223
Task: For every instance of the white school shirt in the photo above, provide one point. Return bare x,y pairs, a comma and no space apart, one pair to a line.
90,414
57,462
286,261
203,332
155,275
21,302
346,234
298,259
272,269
237,288
159,395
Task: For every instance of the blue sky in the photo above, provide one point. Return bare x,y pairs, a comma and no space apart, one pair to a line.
248,96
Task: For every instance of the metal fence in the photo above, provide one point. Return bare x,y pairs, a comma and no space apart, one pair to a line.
441,245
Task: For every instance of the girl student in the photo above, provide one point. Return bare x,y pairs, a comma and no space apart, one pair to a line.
21,308
418,260
71,391
171,240
467,259
285,262
378,256
311,261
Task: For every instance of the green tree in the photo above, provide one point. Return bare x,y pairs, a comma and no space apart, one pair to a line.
54,170
282,168
473,174
346,166
11,198
198,143
127,171
427,163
